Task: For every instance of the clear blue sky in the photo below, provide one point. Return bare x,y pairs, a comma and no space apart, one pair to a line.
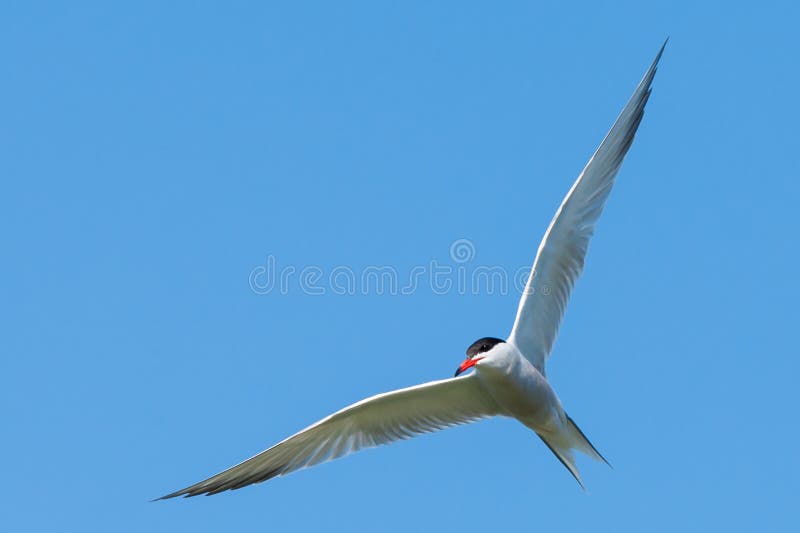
154,156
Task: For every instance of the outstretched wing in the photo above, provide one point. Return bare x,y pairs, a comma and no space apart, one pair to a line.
559,260
381,419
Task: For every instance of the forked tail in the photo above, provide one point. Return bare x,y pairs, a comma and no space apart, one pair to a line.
563,443
582,443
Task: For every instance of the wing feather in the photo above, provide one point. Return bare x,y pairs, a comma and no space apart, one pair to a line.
562,252
381,419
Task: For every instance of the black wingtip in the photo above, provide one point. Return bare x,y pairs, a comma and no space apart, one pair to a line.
661,51
172,495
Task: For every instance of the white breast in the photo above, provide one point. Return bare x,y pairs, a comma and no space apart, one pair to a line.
518,387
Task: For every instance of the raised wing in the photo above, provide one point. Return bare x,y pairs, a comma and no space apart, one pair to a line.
559,260
381,419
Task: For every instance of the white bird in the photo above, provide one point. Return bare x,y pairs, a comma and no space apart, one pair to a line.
509,376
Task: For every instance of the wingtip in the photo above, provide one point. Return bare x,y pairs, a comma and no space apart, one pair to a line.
167,497
185,493
661,51
650,74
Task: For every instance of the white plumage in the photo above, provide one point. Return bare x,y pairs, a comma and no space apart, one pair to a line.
559,260
509,378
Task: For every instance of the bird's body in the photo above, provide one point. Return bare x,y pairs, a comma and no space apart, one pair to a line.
509,376
522,392
519,389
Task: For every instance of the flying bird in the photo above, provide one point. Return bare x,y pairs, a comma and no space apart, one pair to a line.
508,377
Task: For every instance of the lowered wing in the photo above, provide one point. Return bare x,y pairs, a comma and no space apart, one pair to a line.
381,419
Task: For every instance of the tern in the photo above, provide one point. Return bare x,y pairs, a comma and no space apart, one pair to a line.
508,377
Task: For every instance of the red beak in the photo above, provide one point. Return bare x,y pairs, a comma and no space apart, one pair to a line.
467,364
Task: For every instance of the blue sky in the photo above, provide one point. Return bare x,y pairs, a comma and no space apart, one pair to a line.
153,157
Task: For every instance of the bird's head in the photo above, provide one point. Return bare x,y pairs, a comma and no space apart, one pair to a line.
478,350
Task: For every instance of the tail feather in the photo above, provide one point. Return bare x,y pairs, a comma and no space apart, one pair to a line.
582,443
562,444
567,459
